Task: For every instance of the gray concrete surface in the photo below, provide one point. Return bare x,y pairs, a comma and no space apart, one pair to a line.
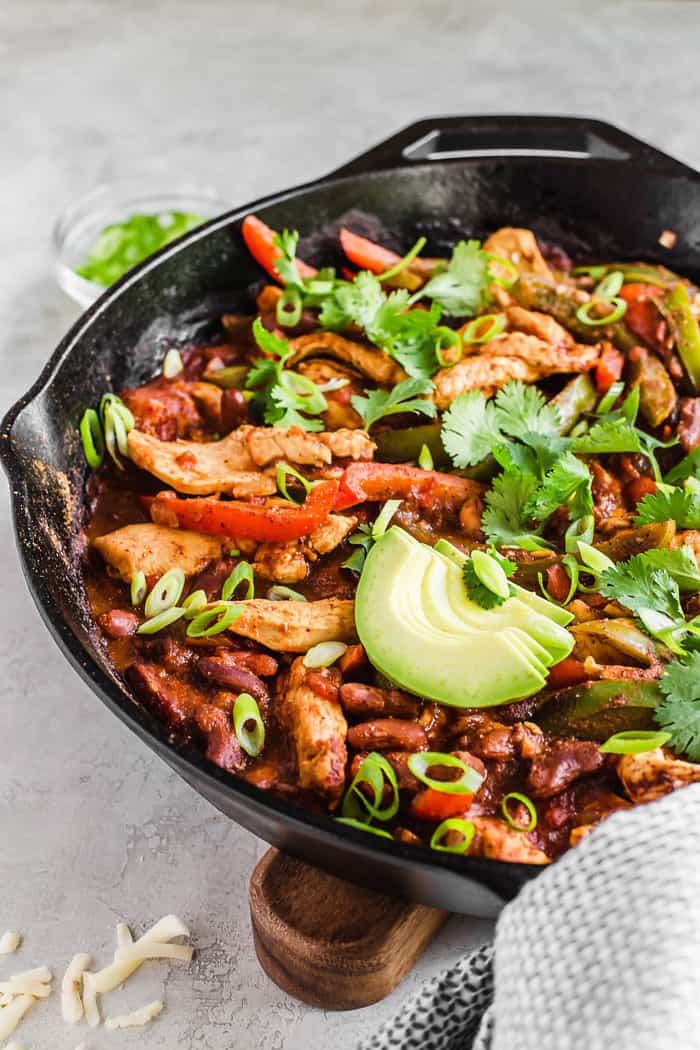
249,97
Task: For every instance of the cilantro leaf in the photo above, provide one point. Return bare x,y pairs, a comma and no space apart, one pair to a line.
639,584
285,264
504,520
476,590
683,505
560,483
407,335
404,397
688,467
679,711
522,409
274,402
470,429
462,289
680,564
609,435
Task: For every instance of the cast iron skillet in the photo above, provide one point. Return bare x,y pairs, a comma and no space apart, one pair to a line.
586,185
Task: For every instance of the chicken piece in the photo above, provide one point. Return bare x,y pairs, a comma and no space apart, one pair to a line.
531,322
519,247
153,549
163,408
326,537
200,468
293,445
651,774
348,444
293,627
511,355
340,412
373,363
318,730
493,838
207,397
287,562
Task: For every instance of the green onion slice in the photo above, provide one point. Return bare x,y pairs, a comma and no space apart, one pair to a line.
420,762
214,620
282,472
360,825
278,593
303,392
484,328
172,364
634,742
619,308
194,603
320,285
464,827
92,438
324,654
139,588
163,619
594,559
490,573
448,346
288,308
610,285
165,592
337,383
580,529
381,522
425,458
375,770
403,263
118,408
594,272
529,806
508,266
232,377
243,573
608,400
570,566
248,724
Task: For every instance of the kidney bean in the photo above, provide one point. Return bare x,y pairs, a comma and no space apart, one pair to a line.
259,663
365,701
119,623
352,659
223,747
233,677
324,683
561,764
387,733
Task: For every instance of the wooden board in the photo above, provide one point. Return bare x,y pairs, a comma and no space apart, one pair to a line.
328,942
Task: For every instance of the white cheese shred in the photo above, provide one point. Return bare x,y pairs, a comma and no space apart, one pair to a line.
124,937
92,1010
23,986
139,952
72,987
137,1018
112,976
10,942
39,973
12,1014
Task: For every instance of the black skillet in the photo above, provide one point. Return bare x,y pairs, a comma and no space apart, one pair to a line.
585,185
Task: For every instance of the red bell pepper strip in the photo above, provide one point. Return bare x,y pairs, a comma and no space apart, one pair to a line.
259,240
431,804
558,582
366,254
609,368
376,482
642,316
247,521
567,672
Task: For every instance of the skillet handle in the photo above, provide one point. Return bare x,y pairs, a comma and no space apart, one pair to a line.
462,138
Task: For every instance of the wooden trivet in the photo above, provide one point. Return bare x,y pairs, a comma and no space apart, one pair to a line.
331,943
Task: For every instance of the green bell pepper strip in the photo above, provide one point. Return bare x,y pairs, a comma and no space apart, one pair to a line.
687,331
574,400
536,293
596,710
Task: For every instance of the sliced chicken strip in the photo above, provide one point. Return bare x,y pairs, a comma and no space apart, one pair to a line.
650,775
373,363
493,838
293,627
318,729
200,468
153,549
288,562
520,248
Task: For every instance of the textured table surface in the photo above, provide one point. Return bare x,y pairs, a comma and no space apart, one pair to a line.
249,98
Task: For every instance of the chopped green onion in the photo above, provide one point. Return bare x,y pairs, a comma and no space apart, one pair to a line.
464,827
596,273
608,400
508,266
320,285
278,593
303,392
282,472
121,245
163,619
324,654
420,762
374,770
214,620
243,573
172,364
92,438
360,825
117,421
475,332
529,806
118,407
288,309
610,286
634,742
139,588
594,559
232,377
165,592
194,603
619,308
337,383
580,529
425,458
447,340
381,522
490,573
570,565
245,711
403,263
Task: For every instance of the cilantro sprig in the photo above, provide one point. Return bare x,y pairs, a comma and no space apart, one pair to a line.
683,505
282,398
404,397
679,711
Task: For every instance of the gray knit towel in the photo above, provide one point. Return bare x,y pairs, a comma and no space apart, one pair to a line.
600,952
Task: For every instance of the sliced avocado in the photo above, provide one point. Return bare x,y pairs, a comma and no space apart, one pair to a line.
467,666
596,710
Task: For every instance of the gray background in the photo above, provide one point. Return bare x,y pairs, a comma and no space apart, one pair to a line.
250,98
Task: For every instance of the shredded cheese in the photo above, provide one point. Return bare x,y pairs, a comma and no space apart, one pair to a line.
23,986
111,977
12,1014
92,1010
9,942
40,973
124,937
71,988
139,952
137,1018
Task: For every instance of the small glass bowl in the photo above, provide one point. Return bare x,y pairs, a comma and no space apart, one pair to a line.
78,227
